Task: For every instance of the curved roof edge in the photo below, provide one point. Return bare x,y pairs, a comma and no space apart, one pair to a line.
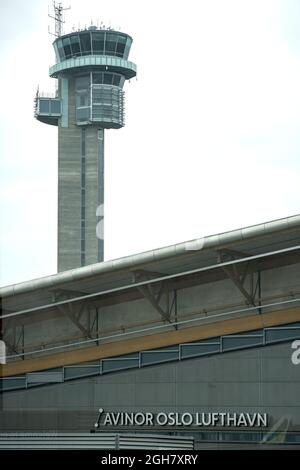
171,251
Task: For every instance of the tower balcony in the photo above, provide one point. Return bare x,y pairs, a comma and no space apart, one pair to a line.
47,108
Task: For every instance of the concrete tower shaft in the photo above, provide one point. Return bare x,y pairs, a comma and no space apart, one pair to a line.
91,67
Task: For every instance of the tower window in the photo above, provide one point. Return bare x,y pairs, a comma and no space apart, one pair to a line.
85,41
75,47
98,42
121,46
67,47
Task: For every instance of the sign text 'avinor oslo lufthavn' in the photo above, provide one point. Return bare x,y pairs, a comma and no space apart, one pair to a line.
181,419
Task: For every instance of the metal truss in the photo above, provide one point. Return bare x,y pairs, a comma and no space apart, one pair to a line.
84,314
238,274
157,294
15,341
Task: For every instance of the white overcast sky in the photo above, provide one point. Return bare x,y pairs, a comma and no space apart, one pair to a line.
211,141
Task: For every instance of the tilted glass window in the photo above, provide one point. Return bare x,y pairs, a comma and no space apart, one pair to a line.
98,42
67,47
92,42
60,49
56,52
85,41
127,48
111,43
75,46
121,46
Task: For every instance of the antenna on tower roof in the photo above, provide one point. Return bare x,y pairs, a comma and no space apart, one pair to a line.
58,18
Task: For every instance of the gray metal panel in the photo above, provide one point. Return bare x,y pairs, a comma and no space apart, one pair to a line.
72,372
283,394
44,377
117,395
217,394
94,441
235,367
12,383
58,441
153,441
154,357
148,394
274,335
281,369
232,342
111,365
199,349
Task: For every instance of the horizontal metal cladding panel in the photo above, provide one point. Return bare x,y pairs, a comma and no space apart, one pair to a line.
198,349
158,446
57,435
12,383
233,342
55,445
155,357
111,365
277,334
44,377
89,441
94,441
152,442
73,372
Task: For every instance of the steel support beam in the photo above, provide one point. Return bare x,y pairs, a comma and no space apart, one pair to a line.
154,293
238,274
75,312
16,340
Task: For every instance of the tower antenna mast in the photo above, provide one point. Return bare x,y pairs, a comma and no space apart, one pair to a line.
58,18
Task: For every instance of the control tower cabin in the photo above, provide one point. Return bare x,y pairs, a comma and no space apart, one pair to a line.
91,67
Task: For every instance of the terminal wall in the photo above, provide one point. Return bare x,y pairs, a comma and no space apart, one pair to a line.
256,380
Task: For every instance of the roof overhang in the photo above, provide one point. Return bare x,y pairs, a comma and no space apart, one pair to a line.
201,253
105,63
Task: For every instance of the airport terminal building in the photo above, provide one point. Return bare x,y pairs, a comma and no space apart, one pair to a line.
196,344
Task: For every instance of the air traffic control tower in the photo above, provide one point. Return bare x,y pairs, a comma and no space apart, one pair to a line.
91,67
